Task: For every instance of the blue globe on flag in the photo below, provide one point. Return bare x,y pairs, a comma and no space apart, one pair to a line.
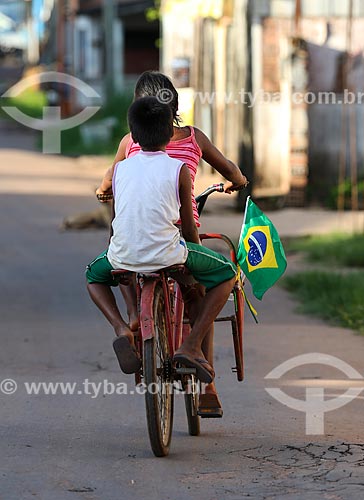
258,247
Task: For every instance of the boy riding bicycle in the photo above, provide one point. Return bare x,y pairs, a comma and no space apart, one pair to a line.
151,193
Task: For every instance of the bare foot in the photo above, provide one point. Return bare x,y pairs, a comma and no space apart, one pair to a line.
209,389
204,372
122,331
192,353
191,349
133,322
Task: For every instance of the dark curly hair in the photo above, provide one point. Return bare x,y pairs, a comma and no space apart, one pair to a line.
155,84
150,122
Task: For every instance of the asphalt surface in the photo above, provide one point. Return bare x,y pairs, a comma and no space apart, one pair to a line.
60,447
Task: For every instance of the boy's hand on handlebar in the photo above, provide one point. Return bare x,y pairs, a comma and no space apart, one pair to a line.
230,188
104,196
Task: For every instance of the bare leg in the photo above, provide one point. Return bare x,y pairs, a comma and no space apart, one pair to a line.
104,298
208,351
210,307
193,298
130,296
208,345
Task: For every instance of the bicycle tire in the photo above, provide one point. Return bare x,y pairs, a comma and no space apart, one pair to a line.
191,404
157,369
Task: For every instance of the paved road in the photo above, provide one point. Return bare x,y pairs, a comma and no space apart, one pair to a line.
58,447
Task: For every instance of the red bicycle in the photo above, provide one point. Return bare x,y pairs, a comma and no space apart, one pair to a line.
162,329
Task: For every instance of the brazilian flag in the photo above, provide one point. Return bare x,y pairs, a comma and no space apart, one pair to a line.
260,252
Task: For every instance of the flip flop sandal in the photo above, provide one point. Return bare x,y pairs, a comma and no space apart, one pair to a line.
209,406
204,371
127,355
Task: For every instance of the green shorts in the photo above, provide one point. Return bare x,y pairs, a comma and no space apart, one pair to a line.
99,271
207,267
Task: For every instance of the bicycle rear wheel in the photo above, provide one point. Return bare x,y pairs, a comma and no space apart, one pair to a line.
157,360
191,403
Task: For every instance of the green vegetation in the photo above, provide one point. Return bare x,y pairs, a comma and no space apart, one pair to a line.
337,298
73,142
153,13
31,102
345,190
341,250
333,295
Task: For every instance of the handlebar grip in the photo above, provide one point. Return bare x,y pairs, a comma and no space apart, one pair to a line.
219,187
105,197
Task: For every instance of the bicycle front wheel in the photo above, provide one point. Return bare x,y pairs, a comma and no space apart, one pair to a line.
157,360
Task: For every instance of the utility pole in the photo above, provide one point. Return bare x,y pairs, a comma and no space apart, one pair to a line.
108,19
353,127
298,16
348,114
33,37
66,12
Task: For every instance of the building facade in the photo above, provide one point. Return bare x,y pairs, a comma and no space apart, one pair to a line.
254,72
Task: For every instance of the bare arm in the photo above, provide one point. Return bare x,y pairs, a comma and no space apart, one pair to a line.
219,162
189,229
106,183
112,218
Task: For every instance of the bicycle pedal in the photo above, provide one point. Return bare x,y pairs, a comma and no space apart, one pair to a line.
183,370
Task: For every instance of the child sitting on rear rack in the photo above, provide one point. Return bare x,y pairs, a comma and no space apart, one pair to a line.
151,193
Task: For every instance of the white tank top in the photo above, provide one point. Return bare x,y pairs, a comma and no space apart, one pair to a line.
146,195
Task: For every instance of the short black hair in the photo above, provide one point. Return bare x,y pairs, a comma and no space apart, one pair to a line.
153,83
150,123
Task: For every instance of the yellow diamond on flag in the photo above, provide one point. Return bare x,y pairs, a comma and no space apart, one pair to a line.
259,247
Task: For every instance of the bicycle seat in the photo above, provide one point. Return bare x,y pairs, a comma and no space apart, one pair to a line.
180,268
123,274
178,272
175,269
118,272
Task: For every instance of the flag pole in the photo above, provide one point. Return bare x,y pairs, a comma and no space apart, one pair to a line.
240,272
245,212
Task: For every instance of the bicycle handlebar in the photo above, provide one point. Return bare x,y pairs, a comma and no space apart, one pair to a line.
201,198
215,188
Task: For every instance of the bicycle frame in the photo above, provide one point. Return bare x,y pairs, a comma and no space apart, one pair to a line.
174,309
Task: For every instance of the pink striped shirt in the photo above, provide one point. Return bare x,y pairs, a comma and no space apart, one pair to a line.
186,150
